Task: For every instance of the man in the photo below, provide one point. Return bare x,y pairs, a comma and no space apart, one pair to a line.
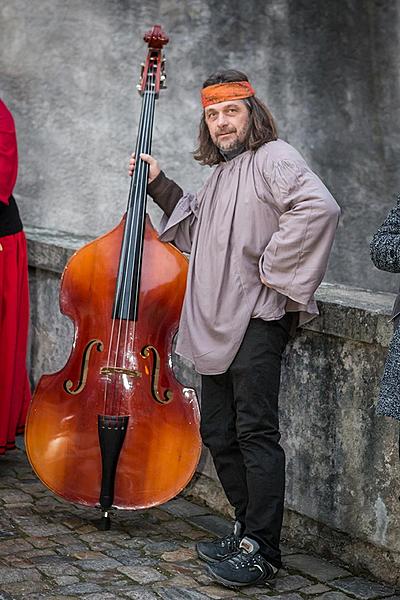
259,234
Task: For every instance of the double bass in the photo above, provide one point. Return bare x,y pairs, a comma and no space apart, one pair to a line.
114,427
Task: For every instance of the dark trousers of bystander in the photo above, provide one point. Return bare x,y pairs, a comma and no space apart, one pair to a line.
240,426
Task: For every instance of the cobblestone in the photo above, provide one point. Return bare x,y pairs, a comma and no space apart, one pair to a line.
140,593
11,575
290,583
53,550
362,588
293,596
212,523
143,575
80,589
333,596
318,588
317,568
181,508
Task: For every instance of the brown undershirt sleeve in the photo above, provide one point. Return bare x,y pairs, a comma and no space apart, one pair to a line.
165,192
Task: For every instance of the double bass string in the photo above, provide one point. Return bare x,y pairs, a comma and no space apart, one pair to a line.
144,146
143,170
132,234
135,209
125,279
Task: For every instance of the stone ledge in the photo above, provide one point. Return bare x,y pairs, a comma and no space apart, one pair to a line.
354,313
50,250
346,312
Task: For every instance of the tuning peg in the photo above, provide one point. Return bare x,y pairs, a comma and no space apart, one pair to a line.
138,87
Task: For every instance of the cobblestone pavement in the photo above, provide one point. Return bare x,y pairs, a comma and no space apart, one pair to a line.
52,549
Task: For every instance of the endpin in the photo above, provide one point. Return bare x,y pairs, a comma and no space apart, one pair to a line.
105,522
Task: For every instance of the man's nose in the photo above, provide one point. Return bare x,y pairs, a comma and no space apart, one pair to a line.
221,120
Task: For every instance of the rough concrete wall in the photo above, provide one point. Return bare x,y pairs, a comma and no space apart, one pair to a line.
329,71
337,472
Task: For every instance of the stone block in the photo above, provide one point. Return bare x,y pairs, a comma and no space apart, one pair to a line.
212,523
289,583
182,508
318,588
333,596
139,593
143,575
18,575
314,567
175,593
362,588
292,596
80,589
98,564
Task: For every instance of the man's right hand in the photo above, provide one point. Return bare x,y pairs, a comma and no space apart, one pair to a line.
154,169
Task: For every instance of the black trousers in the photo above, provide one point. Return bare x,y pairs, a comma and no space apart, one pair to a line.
240,426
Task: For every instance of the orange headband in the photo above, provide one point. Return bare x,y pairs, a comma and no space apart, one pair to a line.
221,92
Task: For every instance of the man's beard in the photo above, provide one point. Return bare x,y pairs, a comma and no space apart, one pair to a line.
229,147
235,144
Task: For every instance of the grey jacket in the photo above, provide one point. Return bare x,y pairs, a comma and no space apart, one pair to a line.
385,254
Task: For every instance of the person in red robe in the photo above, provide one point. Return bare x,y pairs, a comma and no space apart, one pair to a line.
15,391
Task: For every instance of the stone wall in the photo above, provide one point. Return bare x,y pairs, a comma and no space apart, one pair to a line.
329,72
343,476
343,471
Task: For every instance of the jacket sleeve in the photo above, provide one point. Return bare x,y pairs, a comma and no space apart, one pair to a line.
385,244
295,259
165,192
180,212
179,228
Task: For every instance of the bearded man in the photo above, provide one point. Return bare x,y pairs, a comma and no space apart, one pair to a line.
259,234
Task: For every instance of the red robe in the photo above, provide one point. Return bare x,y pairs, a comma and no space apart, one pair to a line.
14,301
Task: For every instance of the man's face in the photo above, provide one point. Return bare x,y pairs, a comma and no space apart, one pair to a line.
227,123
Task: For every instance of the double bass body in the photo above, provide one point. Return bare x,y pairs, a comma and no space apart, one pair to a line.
161,447
114,427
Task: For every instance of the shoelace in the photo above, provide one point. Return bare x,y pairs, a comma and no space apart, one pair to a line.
243,559
230,541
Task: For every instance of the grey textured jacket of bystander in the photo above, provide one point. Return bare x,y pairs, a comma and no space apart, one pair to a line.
385,254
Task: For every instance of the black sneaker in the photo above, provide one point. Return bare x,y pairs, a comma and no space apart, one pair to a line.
246,567
222,548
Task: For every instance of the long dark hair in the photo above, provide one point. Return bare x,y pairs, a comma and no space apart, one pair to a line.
262,128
